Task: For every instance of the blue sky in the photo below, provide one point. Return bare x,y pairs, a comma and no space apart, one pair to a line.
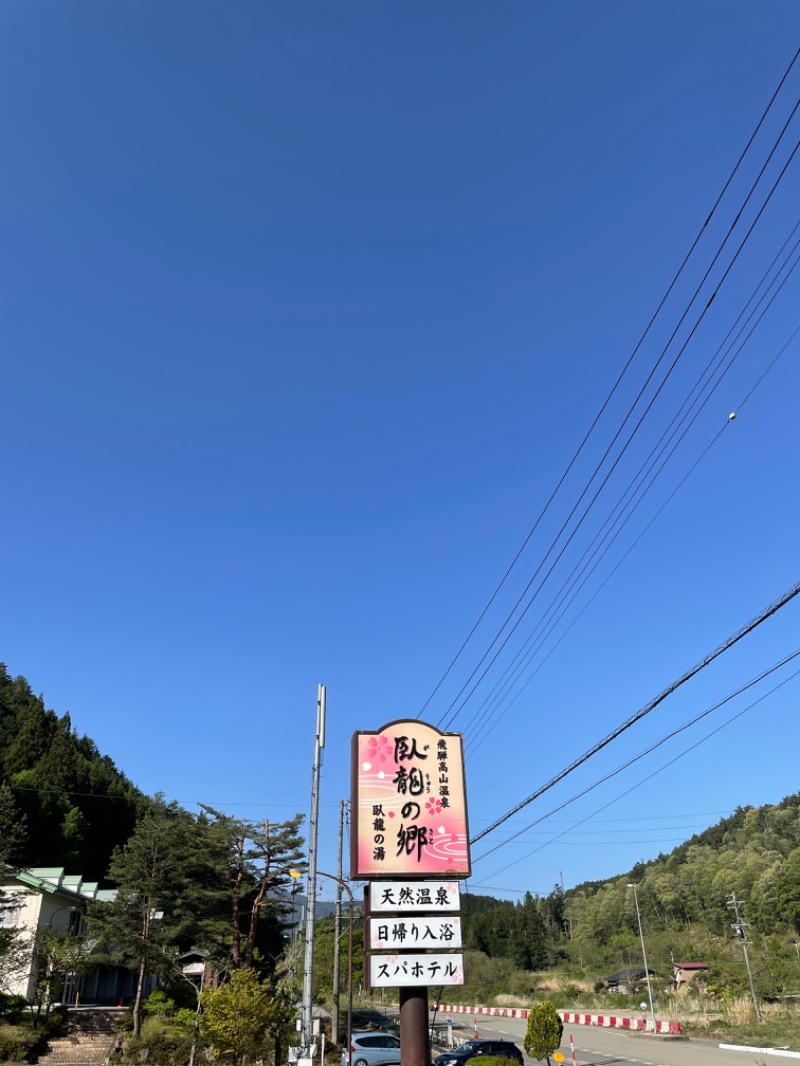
305,309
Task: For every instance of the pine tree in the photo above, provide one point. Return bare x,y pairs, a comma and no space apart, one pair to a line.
144,925
258,860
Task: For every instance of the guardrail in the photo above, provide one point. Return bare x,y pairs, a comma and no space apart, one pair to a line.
604,1021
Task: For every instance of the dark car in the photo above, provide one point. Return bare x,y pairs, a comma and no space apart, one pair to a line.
472,1049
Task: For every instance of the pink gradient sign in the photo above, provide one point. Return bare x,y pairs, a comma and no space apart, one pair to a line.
409,804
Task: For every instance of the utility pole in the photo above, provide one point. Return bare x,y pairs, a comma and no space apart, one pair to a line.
337,930
644,960
740,927
307,1020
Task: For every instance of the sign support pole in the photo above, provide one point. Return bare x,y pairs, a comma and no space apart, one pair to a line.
414,1044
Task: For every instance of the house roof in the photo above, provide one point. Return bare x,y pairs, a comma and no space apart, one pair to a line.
690,965
52,880
634,973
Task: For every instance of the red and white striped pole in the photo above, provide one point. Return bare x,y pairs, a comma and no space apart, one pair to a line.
572,1047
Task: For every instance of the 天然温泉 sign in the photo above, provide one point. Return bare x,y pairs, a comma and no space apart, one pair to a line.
409,804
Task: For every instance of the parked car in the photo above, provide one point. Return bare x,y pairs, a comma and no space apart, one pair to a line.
372,1049
472,1049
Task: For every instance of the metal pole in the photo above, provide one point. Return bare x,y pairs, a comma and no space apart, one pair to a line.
348,890
337,932
350,979
414,1040
644,958
307,1021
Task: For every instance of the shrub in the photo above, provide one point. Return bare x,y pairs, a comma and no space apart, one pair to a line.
544,1031
18,1043
159,1043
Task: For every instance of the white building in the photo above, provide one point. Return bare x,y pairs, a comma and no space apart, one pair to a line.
48,898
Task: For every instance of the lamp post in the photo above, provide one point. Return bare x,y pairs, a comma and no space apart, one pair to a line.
348,890
644,957
295,876
54,958
72,910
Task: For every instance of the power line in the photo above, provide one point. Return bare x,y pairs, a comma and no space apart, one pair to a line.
650,776
657,458
618,381
143,796
650,749
677,488
626,445
726,645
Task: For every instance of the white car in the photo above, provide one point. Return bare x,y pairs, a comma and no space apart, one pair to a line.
372,1049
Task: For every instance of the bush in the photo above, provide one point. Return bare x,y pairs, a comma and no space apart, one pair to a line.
20,1043
158,1002
159,1043
12,1008
544,1031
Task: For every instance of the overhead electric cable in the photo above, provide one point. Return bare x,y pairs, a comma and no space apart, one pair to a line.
726,645
647,751
677,488
547,622
616,384
649,777
625,446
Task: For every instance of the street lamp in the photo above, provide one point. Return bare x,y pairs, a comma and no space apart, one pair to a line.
53,958
295,876
348,890
644,957
72,910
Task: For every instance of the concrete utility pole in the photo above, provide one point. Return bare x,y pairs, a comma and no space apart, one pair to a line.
307,1020
644,960
337,930
739,928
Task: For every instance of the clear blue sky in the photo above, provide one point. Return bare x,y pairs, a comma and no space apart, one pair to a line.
305,308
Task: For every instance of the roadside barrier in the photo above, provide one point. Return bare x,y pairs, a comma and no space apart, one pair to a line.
606,1021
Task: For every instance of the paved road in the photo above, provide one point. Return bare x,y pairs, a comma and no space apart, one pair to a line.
614,1047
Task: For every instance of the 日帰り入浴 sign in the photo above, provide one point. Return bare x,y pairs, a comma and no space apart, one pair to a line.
415,931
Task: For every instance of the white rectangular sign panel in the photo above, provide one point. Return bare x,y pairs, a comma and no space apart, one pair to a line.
439,897
391,971
414,931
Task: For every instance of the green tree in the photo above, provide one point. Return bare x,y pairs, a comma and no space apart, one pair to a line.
543,1036
237,1016
787,890
14,947
57,958
152,914
256,864
528,948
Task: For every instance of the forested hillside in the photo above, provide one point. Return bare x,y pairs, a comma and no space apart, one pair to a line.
755,853
685,898
76,805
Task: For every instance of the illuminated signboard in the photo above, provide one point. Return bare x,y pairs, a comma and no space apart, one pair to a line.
409,804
